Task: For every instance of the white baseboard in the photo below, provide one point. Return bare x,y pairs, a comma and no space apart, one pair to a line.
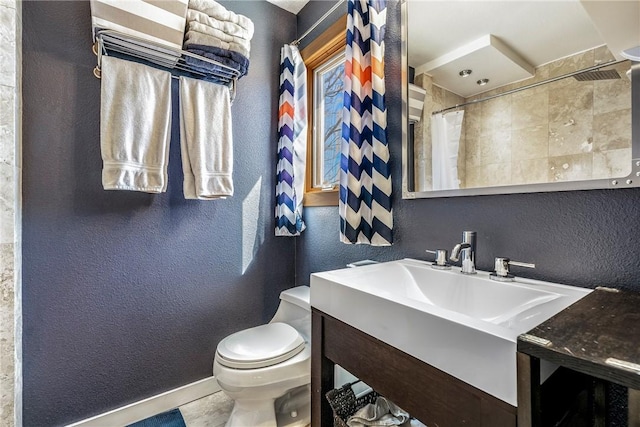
153,405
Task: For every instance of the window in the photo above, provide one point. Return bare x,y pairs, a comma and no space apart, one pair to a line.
324,58
327,122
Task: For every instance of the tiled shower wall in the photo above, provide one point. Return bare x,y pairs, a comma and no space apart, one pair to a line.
10,237
565,130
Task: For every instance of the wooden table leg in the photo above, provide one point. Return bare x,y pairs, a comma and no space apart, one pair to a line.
529,414
322,373
634,408
599,404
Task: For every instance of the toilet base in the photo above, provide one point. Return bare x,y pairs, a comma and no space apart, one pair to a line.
258,413
290,410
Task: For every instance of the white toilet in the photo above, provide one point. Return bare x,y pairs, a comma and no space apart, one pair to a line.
266,370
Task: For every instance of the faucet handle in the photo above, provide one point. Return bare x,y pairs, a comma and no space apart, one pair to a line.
501,269
441,259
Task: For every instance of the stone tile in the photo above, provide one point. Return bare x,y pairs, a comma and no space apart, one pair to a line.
473,120
571,64
7,201
475,177
602,54
570,120
612,130
210,411
533,171
495,148
570,101
570,168
530,143
497,174
7,125
438,95
612,164
531,110
496,114
612,95
451,99
7,347
7,46
472,151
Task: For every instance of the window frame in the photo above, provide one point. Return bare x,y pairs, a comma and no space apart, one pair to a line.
320,50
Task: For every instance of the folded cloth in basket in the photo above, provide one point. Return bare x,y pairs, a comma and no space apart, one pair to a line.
226,26
192,37
230,59
210,31
381,413
219,12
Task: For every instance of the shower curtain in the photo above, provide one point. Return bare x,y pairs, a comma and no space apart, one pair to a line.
292,143
365,177
445,143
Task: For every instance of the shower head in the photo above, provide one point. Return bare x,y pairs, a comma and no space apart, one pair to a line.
589,76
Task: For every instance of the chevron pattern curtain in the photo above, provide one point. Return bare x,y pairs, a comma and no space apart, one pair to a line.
292,143
365,178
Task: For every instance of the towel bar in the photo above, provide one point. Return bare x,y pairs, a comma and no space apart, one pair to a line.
110,42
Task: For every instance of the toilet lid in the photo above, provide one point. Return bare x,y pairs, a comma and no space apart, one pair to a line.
259,347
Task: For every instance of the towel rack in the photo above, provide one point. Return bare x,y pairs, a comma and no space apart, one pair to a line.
111,42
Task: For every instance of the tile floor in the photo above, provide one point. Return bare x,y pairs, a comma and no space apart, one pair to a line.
210,411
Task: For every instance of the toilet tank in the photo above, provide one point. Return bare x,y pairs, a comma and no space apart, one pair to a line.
295,310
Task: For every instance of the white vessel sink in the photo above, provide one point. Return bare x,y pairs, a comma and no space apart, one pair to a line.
465,325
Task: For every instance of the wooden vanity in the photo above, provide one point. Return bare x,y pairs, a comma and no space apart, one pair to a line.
430,395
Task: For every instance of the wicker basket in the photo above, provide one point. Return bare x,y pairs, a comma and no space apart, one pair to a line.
344,403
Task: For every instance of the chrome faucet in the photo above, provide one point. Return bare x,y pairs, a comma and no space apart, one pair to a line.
466,251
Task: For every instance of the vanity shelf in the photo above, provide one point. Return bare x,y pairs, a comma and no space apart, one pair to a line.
429,394
597,336
178,62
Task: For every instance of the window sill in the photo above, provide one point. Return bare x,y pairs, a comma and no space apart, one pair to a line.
321,198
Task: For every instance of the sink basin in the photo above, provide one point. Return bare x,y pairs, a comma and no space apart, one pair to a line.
465,325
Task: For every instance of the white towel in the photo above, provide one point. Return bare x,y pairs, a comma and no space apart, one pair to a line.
214,32
381,413
206,139
219,12
226,26
135,126
195,38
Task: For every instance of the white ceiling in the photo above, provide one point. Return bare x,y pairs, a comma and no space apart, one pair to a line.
446,36
293,6
536,31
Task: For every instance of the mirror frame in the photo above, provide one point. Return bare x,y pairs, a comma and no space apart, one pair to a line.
408,177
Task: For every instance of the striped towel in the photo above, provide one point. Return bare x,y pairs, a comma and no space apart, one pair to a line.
161,22
365,176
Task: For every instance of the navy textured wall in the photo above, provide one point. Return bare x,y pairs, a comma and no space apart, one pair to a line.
581,238
127,294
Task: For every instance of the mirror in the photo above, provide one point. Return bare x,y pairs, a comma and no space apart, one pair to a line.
519,96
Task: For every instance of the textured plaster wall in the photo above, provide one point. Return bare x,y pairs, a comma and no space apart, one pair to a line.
127,294
581,238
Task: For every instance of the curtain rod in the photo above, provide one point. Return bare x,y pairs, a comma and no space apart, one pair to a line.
318,22
532,85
